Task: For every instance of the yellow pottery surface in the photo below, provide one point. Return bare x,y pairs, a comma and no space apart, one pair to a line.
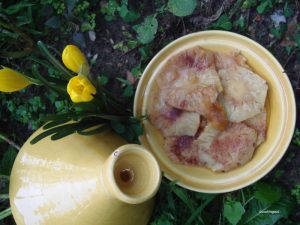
70,182
280,106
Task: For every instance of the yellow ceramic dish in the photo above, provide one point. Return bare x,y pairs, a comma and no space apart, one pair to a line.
280,107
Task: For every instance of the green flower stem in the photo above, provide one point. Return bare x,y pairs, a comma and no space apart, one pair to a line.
53,87
5,213
67,75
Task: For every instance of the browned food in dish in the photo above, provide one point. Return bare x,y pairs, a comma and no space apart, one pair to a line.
182,149
195,58
217,150
258,123
171,121
244,93
230,148
225,61
210,109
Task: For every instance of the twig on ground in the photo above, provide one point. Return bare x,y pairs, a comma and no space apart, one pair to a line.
10,142
207,20
183,24
289,58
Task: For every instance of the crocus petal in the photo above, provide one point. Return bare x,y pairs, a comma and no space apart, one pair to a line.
73,58
80,89
11,80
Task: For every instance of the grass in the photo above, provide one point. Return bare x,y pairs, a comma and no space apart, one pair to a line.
139,30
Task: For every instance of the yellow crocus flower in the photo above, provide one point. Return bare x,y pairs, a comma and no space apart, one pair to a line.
73,58
11,80
80,89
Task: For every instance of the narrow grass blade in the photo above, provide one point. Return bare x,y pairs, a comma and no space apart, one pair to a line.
67,75
101,128
198,211
46,83
4,196
182,194
5,213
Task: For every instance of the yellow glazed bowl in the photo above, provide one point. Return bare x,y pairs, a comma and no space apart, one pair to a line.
280,105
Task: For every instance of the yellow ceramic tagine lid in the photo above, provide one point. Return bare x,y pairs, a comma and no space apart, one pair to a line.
82,180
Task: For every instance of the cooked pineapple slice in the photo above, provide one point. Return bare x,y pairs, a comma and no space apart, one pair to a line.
171,121
259,123
244,93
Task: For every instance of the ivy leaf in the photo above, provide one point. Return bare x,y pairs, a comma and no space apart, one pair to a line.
267,193
128,15
182,7
264,6
233,211
147,29
222,23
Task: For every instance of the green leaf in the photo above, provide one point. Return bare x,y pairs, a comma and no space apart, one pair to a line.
259,213
267,193
51,86
13,9
297,40
240,22
53,22
182,7
50,132
182,194
129,135
123,81
103,80
55,123
287,11
207,198
98,129
5,213
117,126
233,211
7,161
264,6
70,5
128,91
53,60
147,29
248,4
222,23
128,15
138,129
4,196
279,32
137,71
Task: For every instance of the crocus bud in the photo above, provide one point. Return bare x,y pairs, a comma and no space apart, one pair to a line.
73,58
11,80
